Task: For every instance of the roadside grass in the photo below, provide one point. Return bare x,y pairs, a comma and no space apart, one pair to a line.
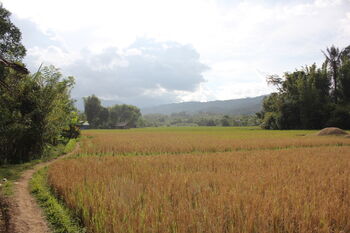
59,217
70,146
12,172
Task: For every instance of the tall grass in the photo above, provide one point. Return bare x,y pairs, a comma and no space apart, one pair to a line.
298,190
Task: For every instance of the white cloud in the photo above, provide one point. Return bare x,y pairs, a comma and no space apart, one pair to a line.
145,73
236,39
50,55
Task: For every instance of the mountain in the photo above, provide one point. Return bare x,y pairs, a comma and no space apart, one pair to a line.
232,107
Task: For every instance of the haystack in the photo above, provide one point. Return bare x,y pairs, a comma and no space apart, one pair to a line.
331,131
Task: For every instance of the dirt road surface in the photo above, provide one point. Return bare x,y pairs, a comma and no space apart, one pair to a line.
25,214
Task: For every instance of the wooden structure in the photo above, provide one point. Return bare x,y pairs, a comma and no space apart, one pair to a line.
122,125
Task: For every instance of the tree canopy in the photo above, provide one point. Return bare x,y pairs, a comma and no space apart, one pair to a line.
312,97
11,47
102,117
36,109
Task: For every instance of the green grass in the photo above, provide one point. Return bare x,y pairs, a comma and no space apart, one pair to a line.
12,172
70,146
60,218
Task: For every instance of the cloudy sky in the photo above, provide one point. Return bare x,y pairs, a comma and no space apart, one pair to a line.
162,51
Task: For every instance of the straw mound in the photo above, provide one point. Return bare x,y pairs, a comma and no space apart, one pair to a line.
331,131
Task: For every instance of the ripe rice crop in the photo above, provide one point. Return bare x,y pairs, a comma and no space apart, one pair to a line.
288,190
198,139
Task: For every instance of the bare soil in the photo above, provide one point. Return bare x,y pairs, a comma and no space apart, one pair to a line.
25,214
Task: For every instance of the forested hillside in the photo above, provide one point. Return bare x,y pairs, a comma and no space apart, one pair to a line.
232,107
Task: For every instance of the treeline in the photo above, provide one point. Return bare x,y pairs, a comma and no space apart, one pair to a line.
99,117
312,97
198,119
36,109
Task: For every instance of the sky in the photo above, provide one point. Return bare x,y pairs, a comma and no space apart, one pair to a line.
164,51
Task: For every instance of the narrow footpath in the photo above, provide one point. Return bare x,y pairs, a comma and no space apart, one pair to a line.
25,214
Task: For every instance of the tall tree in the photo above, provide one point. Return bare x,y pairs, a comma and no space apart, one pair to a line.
11,47
333,59
128,114
93,107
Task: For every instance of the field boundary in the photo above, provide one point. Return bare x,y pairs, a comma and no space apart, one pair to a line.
60,217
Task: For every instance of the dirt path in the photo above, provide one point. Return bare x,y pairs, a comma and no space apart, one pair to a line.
25,214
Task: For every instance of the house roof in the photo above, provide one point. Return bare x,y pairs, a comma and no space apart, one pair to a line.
121,124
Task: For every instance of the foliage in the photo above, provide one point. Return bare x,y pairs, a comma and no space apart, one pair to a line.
101,117
124,113
11,47
311,98
12,172
93,108
36,110
60,218
70,146
199,119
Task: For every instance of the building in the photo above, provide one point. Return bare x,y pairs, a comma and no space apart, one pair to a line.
122,125
84,125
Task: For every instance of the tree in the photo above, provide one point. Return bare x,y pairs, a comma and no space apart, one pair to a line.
124,114
92,106
35,113
36,110
11,47
225,121
333,56
102,117
335,59
311,98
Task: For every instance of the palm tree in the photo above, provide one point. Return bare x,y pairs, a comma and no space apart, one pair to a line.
333,59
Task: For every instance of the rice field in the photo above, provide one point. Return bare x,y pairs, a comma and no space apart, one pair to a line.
207,180
197,139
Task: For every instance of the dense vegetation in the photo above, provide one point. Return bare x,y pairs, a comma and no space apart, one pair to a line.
311,98
100,117
36,110
198,119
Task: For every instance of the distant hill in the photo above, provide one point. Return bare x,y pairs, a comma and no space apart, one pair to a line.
232,107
